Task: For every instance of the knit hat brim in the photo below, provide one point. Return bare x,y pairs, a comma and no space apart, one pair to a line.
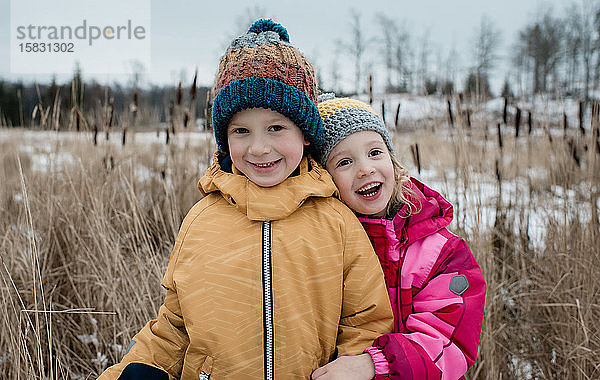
257,92
343,117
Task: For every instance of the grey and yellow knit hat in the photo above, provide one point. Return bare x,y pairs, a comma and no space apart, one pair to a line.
343,117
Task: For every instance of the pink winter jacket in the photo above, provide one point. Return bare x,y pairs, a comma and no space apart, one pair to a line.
436,289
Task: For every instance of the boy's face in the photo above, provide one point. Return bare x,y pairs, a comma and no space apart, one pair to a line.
363,172
265,145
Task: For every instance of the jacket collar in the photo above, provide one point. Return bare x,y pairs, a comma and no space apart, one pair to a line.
268,203
436,213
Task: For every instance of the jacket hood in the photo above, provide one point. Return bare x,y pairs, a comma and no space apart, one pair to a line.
267,203
436,213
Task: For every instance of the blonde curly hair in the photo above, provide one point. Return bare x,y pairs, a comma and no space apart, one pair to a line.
403,194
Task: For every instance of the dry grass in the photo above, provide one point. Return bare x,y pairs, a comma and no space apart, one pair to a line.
83,250
87,239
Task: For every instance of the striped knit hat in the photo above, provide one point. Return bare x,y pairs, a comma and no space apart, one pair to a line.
261,69
343,117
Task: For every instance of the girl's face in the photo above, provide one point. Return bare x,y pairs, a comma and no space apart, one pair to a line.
363,172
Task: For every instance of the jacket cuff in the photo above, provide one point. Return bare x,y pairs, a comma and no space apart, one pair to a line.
381,364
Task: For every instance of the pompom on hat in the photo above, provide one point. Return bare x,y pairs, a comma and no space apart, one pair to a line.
343,117
261,69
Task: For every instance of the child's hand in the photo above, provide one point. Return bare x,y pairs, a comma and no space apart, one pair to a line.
358,367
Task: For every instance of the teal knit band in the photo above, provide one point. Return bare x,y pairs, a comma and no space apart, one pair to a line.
257,92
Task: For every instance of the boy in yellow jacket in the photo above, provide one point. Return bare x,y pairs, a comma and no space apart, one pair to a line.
271,276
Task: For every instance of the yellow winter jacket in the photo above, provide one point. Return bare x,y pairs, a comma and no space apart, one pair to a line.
264,283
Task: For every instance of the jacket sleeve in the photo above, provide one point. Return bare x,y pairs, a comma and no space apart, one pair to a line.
157,351
366,310
443,329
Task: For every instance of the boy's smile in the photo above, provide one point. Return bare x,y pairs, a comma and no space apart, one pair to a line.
265,145
363,172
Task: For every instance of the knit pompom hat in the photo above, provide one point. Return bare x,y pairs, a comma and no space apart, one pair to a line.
343,117
261,69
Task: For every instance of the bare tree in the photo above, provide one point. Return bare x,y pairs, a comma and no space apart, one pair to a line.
356,47
402,59
451,64
589,42
573,45
423,64
485,44
540,46
597,45
386,40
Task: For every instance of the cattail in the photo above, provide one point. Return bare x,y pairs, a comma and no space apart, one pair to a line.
111,110
414,149
500,136
20,106
574,153
179,94
371,89
530,121
77,121
498,174
581,128
95,134
172,117
595,123
193,88
123,138
397,118
505,111
134,108
499,180
468,113
383,109
167,137
565,123
450,115
186,118
517,122
208,112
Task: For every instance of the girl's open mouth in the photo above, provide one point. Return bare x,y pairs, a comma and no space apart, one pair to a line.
369,190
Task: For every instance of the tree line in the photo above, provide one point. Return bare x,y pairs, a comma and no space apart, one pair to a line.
80,104
551,54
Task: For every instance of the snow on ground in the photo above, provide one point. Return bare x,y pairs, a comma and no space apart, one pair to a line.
475,203
417,108
51,149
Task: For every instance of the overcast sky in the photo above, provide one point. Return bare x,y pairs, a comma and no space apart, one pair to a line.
191,34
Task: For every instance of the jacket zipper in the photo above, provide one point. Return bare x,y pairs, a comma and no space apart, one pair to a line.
267,301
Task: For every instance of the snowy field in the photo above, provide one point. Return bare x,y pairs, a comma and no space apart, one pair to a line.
475,197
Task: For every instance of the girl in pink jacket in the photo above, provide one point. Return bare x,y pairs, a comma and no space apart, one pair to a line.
435,286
